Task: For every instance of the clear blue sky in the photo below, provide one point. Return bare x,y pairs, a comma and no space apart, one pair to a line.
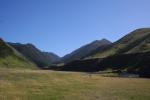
61,26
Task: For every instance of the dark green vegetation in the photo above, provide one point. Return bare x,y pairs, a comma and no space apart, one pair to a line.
131,63
84,51
49,85
130,54
10,58
36,56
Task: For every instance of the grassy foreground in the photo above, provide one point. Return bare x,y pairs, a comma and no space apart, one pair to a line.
50,85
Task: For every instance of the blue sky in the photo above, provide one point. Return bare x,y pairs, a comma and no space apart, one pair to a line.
60,26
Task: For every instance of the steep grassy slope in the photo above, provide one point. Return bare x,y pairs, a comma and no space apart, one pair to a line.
10,58
135,42
33,54
49,85
85,50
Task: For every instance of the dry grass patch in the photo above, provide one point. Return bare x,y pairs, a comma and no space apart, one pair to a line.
51,85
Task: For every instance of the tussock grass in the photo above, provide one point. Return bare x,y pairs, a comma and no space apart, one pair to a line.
50,85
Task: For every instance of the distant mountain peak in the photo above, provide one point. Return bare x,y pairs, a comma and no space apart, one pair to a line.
105,40
85,50
102,40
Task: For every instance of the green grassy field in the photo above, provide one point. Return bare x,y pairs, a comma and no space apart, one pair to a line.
50,85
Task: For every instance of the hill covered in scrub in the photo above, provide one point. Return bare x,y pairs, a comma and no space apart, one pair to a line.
137,63
10,58
35,55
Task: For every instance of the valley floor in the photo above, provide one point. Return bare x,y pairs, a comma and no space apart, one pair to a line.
51,85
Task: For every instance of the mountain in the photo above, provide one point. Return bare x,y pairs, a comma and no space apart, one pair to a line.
10,58
130,54
33,54
49,55
137,41
85,50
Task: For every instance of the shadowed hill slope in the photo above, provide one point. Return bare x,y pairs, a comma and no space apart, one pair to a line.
33,54
137,63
